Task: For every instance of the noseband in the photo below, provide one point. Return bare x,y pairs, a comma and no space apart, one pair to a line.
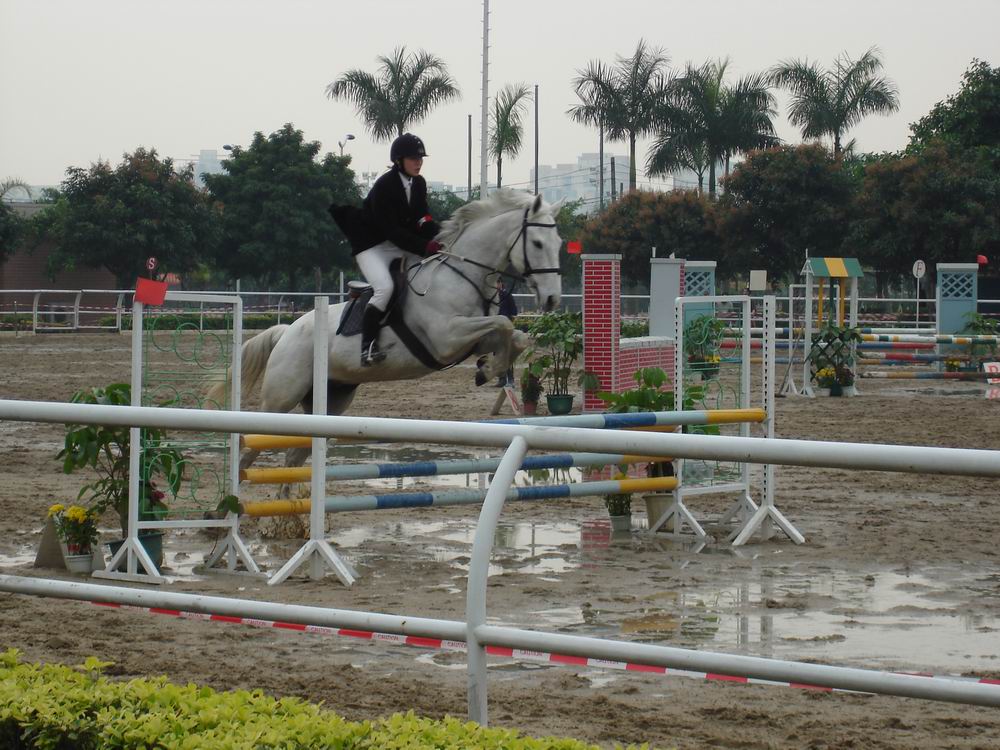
523,236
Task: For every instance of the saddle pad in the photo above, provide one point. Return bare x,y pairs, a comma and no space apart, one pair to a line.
354,313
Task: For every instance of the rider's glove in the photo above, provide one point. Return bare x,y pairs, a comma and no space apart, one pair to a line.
433,247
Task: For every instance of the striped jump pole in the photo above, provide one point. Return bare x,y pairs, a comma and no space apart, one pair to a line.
910,357
639,420
892,345
345,503
942,339
918,375
437,468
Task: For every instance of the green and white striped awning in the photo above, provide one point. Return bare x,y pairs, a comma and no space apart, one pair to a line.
833,268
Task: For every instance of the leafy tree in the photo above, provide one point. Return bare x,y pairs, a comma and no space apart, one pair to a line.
11,228
831,102
506,130
623,99
783,202
703,121
274,197
681,222
969,119
403,91
116,218
442,204
937,205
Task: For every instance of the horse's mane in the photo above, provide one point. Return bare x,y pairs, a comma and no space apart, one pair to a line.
500,202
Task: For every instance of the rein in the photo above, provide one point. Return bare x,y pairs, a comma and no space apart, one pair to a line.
528,270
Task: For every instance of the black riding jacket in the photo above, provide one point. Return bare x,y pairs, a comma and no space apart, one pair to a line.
386,215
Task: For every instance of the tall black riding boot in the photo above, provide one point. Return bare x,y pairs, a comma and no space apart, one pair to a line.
370,353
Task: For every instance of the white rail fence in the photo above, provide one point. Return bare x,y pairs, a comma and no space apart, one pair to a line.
517,439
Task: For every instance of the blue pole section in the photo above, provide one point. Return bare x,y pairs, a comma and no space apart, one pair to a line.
343,503
614,421
472,466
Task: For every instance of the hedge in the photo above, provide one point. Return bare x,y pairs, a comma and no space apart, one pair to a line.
54,707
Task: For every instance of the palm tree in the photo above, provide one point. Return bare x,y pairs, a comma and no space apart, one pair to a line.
12,183
404,91
704,121
622,99
831,102
506,132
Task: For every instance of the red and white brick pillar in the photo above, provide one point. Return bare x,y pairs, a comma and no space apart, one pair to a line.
602,293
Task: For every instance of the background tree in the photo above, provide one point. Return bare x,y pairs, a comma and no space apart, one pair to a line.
116,218
443,203
506,130
936,205
782,202
623,99
970,119
10,231
274,197
681,222
403,91
831,102
703,121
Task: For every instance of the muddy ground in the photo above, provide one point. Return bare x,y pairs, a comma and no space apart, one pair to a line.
898,572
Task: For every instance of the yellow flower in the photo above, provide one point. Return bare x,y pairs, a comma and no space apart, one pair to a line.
77,514
57,508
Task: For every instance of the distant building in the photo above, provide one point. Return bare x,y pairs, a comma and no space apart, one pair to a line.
207,163
581,181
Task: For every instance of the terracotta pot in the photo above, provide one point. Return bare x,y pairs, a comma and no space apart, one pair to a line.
529,408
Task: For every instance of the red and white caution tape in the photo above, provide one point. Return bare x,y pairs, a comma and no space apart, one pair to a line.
499,651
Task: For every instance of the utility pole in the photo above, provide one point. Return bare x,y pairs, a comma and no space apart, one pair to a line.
612,179
536,139
600,158
468,190
483,131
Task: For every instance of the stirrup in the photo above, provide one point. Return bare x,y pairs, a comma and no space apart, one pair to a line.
371,355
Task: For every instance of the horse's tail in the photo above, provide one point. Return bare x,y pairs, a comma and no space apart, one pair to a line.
256,352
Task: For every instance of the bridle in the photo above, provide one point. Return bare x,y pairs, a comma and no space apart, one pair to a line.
528,270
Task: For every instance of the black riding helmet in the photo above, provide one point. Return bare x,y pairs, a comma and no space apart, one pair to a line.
407,145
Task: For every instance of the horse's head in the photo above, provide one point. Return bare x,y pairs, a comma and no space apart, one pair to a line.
534,253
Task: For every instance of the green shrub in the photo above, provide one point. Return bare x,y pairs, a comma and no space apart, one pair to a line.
52,707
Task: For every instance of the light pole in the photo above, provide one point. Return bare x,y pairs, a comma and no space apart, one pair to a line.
348,137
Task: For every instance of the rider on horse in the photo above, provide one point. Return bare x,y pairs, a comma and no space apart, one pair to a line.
393,222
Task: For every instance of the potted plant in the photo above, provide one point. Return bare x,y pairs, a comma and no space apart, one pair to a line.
76,528
557,343
649,395
702,341
105,450
832,354
531,389
619,507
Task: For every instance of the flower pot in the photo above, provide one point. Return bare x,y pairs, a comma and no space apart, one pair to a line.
836,389
559,403
152,542
79,563
529,408
656,505
621,523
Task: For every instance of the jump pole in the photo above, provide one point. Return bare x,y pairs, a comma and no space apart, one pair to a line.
351,503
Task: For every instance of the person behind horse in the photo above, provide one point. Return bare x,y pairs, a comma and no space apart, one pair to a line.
508,308
394,222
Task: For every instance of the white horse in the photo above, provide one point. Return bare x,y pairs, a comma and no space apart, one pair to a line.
450,306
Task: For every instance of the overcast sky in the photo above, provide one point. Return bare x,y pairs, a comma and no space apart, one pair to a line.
86,80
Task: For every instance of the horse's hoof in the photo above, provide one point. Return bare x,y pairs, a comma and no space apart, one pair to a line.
480,378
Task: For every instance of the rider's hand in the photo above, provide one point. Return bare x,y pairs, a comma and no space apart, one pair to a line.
433,247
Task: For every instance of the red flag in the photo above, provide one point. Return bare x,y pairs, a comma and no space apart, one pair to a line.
150,292
574,247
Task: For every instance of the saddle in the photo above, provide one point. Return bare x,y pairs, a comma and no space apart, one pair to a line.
350,319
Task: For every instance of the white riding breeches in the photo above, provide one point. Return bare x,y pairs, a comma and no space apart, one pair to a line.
374,264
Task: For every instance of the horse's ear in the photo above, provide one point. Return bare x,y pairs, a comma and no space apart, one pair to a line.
537,205
556,207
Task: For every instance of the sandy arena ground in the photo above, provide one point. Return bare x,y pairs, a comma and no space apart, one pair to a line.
898,572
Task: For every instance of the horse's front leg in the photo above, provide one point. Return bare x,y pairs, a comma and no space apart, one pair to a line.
490,335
